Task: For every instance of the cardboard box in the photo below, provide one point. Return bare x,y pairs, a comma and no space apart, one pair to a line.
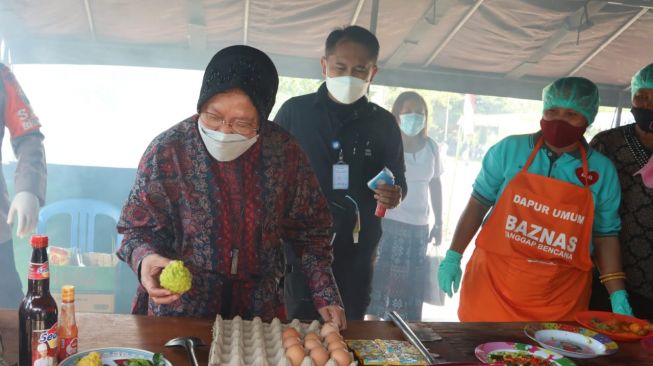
91,302
85,279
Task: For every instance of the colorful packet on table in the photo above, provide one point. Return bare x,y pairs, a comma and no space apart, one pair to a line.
386,352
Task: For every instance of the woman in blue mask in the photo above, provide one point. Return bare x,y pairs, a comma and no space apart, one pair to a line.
400,272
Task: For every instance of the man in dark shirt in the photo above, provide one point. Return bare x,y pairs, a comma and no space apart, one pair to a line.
348,141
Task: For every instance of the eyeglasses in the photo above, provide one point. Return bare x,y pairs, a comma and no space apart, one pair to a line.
240,126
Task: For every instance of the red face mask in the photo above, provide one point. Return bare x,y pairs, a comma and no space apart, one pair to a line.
560,133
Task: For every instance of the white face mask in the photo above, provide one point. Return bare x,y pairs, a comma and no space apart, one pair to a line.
225,146
346,89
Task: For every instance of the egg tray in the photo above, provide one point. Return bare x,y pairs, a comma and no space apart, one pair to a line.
239,342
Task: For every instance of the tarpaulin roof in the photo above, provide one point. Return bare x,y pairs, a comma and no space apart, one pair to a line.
493,47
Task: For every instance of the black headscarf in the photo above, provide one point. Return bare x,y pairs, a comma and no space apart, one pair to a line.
245,68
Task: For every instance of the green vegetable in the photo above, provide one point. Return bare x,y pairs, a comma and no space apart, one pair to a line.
137,362
176,278
157,360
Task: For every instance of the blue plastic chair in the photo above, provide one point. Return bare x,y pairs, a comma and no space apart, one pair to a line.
82,214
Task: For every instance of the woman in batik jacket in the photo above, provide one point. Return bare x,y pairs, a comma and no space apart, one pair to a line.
220,191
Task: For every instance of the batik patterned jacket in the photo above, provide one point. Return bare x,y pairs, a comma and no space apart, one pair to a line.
186,205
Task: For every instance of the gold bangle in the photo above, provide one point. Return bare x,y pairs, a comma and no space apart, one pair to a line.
613,278
612,274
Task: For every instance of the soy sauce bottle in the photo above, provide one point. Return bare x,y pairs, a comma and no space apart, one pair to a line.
38,342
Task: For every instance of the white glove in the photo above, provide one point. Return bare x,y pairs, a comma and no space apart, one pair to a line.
26,206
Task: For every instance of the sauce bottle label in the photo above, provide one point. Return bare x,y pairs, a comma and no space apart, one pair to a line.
38,271
68,347
45,347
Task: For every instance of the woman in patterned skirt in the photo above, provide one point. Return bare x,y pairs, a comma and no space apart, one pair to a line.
400,272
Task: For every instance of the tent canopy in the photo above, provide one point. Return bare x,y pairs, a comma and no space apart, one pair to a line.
508,48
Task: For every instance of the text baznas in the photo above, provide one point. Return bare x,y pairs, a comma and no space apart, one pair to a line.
529,231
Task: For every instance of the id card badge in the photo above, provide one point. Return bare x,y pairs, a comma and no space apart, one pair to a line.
341,176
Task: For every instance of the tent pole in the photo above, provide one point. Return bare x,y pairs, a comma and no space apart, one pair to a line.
246,22
3,49
375,16
89,19
359,7
620,108
453,32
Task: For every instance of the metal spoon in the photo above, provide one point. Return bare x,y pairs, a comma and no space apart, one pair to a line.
189,344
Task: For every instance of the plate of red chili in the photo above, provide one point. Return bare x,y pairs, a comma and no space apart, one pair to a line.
518,354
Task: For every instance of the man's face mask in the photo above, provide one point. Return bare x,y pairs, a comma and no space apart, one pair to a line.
346,89
225,146
411,123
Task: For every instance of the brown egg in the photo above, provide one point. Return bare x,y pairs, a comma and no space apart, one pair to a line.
336,345
320,356
295,354
291,341
312,335
333,337
311,343
290,332
342,357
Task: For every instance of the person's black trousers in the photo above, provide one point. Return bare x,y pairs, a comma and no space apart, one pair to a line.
353,268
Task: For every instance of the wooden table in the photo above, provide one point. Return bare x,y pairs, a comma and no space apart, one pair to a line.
150,333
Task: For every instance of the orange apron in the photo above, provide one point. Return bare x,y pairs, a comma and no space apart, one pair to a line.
532,260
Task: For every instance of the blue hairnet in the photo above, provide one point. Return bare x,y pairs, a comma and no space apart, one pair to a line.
574,93
643,79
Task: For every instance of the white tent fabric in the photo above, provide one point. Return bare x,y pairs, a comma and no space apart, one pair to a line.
493,47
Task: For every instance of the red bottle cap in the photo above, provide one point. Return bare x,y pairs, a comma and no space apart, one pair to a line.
39,241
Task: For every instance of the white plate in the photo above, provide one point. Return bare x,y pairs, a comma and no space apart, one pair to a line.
111,354
570,340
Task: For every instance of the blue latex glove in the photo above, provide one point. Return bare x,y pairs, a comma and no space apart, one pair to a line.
449,273
619,301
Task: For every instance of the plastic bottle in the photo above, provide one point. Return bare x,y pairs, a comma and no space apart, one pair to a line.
386,177
67,324
38,341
